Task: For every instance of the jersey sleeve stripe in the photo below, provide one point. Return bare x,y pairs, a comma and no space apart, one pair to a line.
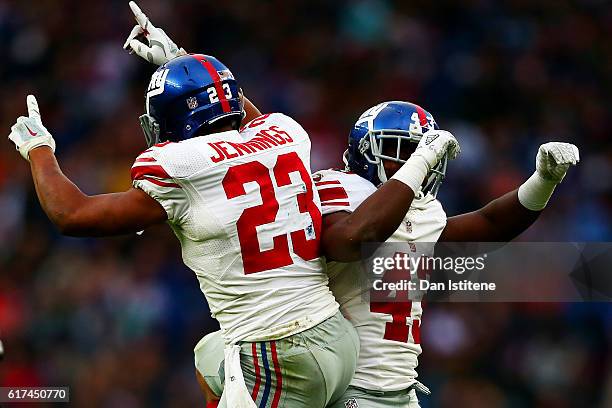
336,203
139,172
334,193
326,183
160,182
145,160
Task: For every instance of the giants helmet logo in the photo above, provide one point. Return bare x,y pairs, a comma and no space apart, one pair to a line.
158,80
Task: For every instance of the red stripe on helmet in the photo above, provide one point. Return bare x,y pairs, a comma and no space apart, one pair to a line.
422,115
212,71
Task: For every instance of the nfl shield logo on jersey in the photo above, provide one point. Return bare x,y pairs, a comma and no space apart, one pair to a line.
351,403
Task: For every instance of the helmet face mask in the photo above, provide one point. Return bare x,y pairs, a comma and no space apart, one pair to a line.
150,128
399,122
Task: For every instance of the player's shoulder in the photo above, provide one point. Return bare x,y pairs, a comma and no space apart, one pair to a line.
347,179
167,160
341,190
270,118
150,165
277,122
178,160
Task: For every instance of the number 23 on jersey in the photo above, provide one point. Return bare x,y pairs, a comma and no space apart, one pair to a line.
253,258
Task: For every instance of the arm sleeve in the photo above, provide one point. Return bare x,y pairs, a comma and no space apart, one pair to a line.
341,191
149,175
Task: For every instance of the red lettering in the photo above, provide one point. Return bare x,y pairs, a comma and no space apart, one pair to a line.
219,151
228,155
253,144
258,121
265,143
272,137
241,148
281,132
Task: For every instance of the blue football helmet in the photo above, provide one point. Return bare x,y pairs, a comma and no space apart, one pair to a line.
397,121
189,95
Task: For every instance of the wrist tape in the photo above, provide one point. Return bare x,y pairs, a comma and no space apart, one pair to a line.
413,172
534,193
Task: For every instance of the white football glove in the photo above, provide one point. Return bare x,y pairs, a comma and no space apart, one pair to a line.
29,133
552,162
161,48
554,158
431,149
435,144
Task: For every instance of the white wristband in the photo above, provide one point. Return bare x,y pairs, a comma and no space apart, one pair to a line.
25,148
413,172
534,193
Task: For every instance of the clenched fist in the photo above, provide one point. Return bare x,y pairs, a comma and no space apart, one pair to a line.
554,159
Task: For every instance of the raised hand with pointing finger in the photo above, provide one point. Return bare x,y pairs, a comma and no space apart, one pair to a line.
29,133
160,48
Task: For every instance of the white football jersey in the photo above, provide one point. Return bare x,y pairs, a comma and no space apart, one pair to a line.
389,332
248,218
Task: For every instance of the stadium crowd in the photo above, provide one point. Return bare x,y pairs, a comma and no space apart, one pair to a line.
117,319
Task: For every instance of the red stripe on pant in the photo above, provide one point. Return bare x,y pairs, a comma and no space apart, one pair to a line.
279,377
212,404
257,372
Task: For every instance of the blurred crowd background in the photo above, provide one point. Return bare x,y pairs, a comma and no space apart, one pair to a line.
116,319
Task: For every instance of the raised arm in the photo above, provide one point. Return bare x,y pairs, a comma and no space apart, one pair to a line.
72,211
378,216
375,220
506,217
501,220
161,48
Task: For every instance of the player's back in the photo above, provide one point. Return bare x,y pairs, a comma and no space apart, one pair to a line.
245,211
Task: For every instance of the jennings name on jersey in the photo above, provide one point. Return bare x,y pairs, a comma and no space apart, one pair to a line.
244,209
389,332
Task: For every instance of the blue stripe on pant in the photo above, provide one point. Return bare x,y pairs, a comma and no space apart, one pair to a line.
264,359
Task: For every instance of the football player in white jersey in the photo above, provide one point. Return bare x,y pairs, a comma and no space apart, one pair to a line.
382,140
